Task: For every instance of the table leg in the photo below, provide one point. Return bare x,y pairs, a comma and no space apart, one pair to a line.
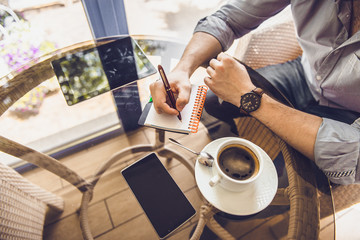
170,154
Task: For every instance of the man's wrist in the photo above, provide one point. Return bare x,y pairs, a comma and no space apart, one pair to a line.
184,69
266,103
251,101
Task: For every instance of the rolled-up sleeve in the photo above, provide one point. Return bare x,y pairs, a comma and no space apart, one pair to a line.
236,18
337,151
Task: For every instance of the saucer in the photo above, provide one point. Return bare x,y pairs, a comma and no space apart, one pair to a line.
250,201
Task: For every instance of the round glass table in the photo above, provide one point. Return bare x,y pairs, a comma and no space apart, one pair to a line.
81,154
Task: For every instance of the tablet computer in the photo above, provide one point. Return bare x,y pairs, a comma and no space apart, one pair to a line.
108,66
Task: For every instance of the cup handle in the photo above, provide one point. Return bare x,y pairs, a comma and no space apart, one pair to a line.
214,180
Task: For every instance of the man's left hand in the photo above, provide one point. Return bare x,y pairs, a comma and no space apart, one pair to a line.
228,79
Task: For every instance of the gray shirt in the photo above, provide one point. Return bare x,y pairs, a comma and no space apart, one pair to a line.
331,60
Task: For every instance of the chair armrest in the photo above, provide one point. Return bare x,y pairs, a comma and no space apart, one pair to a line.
45,162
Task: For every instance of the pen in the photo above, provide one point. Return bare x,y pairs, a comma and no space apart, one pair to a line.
168,89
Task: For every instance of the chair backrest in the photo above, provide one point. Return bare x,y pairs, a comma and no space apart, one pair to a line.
273,43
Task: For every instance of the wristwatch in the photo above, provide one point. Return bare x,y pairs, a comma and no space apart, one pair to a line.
251,101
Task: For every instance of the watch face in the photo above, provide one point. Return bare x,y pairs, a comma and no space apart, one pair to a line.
250,102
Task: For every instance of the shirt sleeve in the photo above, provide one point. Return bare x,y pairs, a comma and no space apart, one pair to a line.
337,151
236,18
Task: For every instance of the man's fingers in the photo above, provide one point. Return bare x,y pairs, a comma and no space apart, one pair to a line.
214,63
181,102
221,56
159,97
210,71
165,108
183,97
208,81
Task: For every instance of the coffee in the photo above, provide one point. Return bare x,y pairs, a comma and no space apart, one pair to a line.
238,162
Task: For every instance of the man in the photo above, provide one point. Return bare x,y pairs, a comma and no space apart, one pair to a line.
324,83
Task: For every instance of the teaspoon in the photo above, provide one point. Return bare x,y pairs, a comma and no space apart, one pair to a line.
203,157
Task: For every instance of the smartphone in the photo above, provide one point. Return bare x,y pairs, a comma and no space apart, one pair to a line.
160,197
108,66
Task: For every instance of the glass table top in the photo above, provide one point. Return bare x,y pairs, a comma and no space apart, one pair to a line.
54,127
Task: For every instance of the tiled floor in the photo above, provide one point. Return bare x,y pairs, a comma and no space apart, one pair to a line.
114,212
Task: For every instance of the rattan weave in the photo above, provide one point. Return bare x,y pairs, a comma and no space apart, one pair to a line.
22,206
272,45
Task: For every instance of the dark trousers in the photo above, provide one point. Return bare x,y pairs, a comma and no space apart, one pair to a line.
286,83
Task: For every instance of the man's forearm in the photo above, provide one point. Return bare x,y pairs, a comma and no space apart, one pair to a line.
201,48
297,128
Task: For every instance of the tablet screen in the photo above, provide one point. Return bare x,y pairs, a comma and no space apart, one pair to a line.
94,71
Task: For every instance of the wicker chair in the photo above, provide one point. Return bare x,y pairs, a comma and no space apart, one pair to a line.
308,193
23,205
277,43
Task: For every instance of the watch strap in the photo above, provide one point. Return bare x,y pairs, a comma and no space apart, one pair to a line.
243,111
258,91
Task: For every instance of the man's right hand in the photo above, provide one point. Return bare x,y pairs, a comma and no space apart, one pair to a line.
180,86
201,48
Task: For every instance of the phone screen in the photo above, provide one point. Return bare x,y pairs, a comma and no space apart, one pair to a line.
86,74
162,200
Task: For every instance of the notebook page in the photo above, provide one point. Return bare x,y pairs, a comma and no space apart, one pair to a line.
171,122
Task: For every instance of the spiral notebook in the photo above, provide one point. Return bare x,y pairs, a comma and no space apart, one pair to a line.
191,114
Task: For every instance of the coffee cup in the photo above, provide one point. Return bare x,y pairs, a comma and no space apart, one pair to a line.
237,165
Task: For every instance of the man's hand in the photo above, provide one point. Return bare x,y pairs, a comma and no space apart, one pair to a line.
180,86
228,79
201,48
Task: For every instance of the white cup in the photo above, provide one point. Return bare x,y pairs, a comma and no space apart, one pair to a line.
237,165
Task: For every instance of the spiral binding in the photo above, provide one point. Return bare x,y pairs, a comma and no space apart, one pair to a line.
198,108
